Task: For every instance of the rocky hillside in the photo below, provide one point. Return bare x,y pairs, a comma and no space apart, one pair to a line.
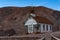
14,17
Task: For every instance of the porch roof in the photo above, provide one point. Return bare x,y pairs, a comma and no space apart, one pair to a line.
30,21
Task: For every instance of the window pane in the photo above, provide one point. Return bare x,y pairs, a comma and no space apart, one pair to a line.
43,27
50,27
47,27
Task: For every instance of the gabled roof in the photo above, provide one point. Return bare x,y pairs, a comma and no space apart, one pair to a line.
40,19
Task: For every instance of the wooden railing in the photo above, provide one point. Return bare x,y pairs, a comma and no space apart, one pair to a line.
26,37
54,37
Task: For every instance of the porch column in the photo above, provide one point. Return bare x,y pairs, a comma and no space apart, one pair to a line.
32,28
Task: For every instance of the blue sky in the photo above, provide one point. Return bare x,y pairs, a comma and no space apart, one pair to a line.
54,4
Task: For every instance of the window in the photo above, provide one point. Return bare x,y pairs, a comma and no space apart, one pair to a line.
50,27
43,27
47,27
